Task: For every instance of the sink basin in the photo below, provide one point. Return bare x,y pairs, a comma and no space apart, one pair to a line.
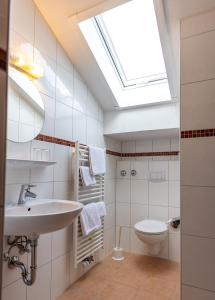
40,216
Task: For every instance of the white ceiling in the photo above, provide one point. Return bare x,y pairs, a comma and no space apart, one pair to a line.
63,18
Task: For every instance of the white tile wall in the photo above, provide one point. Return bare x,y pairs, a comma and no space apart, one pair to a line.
113,144
80,94
174,193
138,198
15,290
139,212
140,191
44,249
123,166
128,147
122,214
92,125
197,156
136,246
72,113
199,24
123,191
202,222
79,127
45,41
141,168
61,242
193,96
19,20
63,121
160,145
174,144
189,292
49,122
158,193
92,106
110,218
110,196
199,274
159,166
158,213
60,275
110,190
144,146
64,84
46,84
198,169
42,287
204,44
174,246
63,168
109,240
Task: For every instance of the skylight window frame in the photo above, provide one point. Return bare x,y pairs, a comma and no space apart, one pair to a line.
115,61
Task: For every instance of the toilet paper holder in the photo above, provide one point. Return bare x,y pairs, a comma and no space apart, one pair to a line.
174,222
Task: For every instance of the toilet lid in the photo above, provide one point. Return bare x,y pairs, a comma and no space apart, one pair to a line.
151,226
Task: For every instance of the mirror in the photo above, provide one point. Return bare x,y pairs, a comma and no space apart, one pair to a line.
26,112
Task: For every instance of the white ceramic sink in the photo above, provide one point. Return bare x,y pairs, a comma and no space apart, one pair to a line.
40,216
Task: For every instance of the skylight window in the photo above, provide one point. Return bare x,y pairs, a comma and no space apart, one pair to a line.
126,44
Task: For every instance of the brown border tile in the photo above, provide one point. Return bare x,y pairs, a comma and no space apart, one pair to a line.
189,134
110,152
50,139
164,153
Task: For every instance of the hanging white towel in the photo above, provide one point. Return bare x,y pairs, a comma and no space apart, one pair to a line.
90,219
101,208
86,177
97,160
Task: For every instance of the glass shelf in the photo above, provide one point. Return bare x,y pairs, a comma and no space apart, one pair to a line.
25,163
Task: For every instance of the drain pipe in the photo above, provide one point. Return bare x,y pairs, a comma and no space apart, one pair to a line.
28,280
13,262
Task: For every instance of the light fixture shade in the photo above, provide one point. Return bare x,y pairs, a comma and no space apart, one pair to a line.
31,69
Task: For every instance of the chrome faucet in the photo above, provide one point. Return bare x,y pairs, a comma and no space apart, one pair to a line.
26,193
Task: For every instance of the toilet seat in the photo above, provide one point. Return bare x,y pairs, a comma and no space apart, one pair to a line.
152,227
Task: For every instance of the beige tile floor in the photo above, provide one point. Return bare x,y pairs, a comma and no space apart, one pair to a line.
136,278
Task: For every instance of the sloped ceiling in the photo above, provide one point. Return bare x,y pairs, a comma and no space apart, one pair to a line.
63,17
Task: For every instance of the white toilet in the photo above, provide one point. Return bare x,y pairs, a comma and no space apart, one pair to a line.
152,233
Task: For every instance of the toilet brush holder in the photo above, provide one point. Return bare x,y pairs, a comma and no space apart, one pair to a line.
118,251
117,254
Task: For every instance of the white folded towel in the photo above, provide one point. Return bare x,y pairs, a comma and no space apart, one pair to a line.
101,208
97,160
86,177
90,218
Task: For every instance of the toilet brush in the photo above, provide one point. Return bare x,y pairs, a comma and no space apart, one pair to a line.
118,251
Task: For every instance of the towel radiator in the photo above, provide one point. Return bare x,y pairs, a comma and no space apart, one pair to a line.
84,246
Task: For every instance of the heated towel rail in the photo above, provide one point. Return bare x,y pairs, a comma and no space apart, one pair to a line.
84,246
